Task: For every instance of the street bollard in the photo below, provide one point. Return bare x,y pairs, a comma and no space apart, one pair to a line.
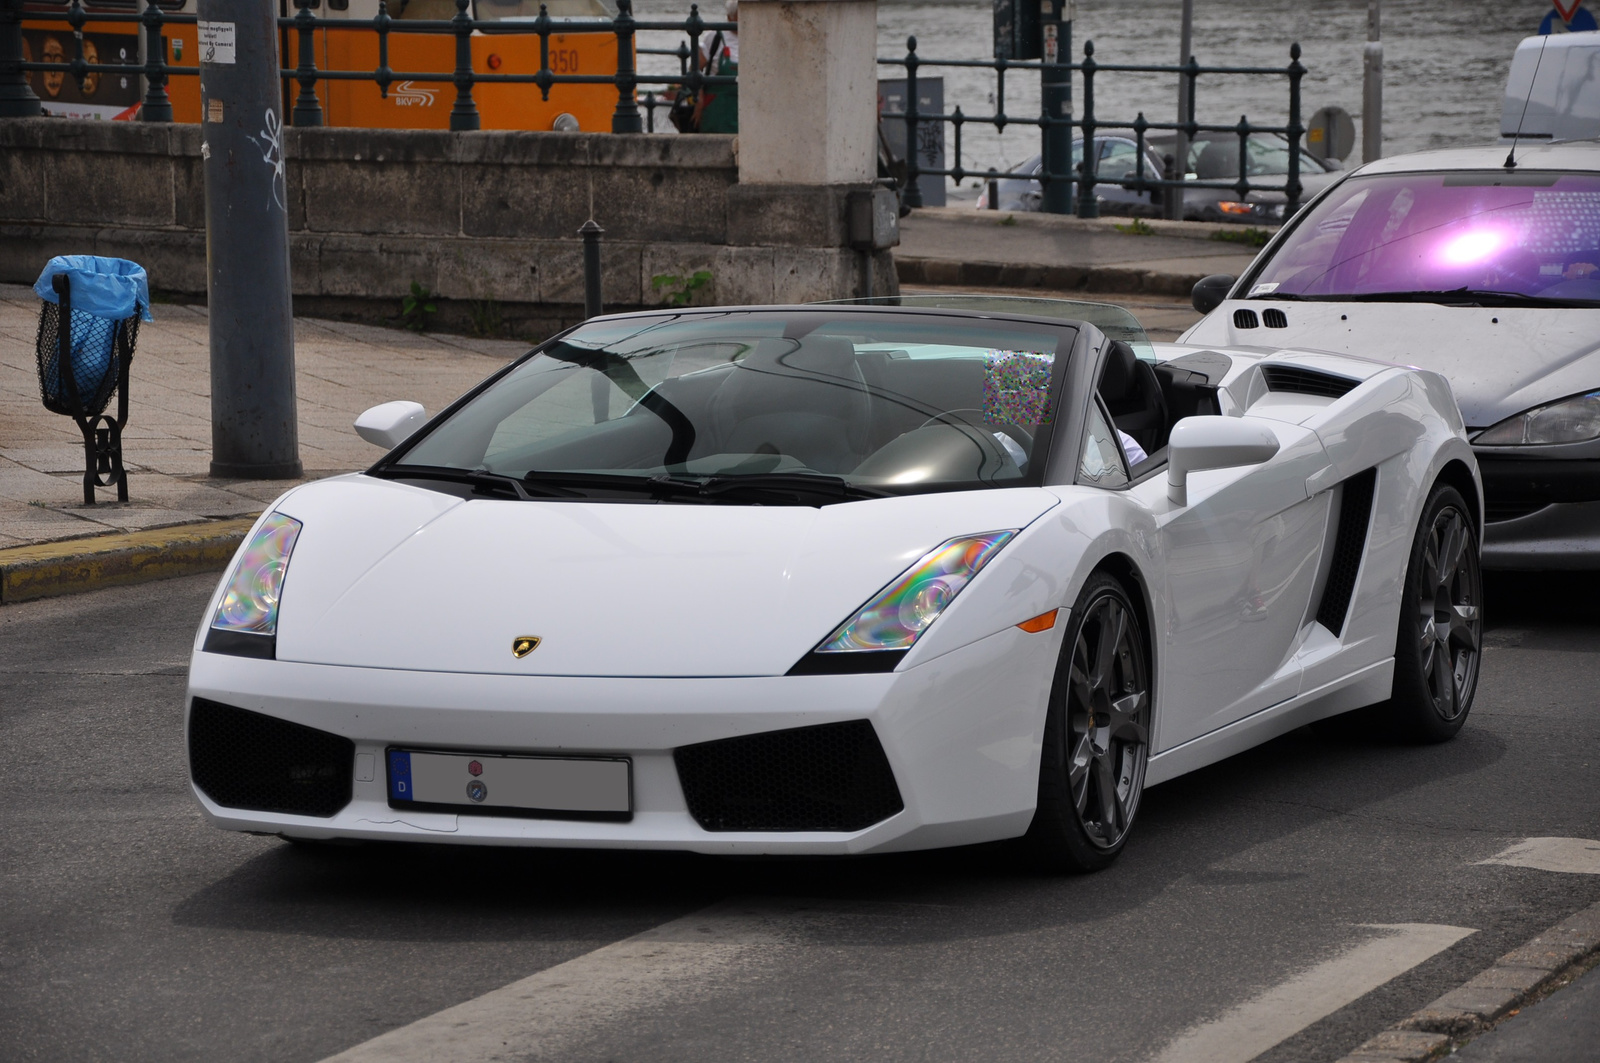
254,422
591,233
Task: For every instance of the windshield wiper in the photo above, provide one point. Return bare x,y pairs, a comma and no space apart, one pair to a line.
790,483
480,480
779,486
1449,297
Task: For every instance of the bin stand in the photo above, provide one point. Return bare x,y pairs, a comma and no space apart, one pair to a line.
102,435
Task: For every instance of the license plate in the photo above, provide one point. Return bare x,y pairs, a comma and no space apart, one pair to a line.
497,784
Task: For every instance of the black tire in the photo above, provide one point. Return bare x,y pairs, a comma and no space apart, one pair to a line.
1096,735
1438,646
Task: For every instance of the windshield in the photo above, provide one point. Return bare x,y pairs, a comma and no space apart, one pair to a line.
1529,235
883,402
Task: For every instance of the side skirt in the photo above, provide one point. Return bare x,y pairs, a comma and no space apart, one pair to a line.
1368,686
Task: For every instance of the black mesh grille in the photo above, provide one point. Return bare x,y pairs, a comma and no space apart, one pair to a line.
1245,319
242,759
1306,381
833,777
1274,318
1349,543
97,347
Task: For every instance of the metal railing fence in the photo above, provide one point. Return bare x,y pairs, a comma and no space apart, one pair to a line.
1086,177
17,98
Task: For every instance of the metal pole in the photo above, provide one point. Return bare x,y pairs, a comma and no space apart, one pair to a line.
591,233
254,423
912,195
625,119
1180,150
17,99
1372,89
1055,96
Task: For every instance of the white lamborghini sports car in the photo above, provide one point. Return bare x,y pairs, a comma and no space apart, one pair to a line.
838,579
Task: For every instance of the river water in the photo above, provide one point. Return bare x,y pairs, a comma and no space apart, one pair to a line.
1445,62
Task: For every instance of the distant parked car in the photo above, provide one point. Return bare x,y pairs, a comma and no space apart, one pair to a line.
1211,157
1484,272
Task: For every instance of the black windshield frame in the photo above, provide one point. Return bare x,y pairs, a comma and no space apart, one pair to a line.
800,321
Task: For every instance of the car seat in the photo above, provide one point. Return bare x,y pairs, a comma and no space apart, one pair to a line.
1218,161
803,398
1132,394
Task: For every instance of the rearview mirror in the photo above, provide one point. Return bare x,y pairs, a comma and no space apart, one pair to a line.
1209,442
390,424
1208,292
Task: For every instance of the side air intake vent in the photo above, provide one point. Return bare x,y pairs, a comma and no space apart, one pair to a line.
243,759
1243,318
834,777
1349,543
1306,381
1274,318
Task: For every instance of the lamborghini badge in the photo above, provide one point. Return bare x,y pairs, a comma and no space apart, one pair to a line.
523,645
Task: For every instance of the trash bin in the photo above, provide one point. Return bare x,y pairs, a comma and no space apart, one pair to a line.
88,325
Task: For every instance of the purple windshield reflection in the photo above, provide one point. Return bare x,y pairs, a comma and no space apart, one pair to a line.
1534,234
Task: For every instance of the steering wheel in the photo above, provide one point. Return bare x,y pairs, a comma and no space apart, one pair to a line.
1015,431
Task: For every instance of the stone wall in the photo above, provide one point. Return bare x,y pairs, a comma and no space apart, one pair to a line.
474,217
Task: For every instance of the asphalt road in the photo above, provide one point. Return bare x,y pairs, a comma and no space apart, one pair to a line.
130,930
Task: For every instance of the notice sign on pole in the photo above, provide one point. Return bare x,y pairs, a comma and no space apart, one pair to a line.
216,42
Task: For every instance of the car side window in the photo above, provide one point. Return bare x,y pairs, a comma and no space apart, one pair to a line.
1102,462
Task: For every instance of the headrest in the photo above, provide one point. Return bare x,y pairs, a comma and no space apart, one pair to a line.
1218,159
1119,377
829,356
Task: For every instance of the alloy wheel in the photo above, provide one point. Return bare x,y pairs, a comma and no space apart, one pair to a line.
1108,721
1450,627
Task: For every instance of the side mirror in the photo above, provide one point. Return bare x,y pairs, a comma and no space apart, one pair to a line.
1209,292
390,424
1332,163
1210,442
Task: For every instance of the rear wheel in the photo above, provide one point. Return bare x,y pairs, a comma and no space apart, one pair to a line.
1096,735
1438,647
1440,637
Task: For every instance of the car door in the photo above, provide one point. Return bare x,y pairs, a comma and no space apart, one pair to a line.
1240,564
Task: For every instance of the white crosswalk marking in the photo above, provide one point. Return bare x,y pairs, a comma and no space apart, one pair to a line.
1573,856
537,1017
1283,1011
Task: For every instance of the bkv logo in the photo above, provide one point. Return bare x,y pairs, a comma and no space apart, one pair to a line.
406,94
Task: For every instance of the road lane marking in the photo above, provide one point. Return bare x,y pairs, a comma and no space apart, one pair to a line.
536,1017
1573,856
1283,1011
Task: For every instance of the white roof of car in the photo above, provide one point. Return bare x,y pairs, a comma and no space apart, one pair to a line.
1531,155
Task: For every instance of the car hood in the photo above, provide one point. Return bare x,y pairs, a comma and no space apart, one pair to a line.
386,575
1499,360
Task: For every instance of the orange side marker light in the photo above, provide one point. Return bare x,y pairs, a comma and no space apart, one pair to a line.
1042,622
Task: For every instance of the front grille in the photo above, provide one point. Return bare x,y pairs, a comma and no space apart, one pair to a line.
1274,318
1306,381
243,759
833,777
1499,509
1243,318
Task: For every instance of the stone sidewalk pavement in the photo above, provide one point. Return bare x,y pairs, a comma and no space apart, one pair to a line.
341,369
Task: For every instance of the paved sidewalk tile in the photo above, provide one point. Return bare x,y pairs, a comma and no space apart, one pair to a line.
341,369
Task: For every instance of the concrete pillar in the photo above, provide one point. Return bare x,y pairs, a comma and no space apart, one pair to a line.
808,92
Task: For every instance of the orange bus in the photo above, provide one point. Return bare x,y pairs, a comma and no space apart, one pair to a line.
409,103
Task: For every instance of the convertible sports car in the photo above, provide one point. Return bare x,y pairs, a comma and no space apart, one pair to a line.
836,579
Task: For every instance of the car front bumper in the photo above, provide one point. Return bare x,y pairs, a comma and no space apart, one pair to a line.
1549,510
961,733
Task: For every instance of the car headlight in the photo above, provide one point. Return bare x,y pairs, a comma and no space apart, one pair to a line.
246,621
902,611
1571,420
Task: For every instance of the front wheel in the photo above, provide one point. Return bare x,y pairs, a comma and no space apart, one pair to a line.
1096,735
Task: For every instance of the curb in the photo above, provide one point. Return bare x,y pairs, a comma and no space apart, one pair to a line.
1099,279
117,560
1520,977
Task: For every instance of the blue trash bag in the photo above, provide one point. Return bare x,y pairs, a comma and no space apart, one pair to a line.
109,298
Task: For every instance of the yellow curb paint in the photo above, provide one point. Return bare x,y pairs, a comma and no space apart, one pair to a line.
122,558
